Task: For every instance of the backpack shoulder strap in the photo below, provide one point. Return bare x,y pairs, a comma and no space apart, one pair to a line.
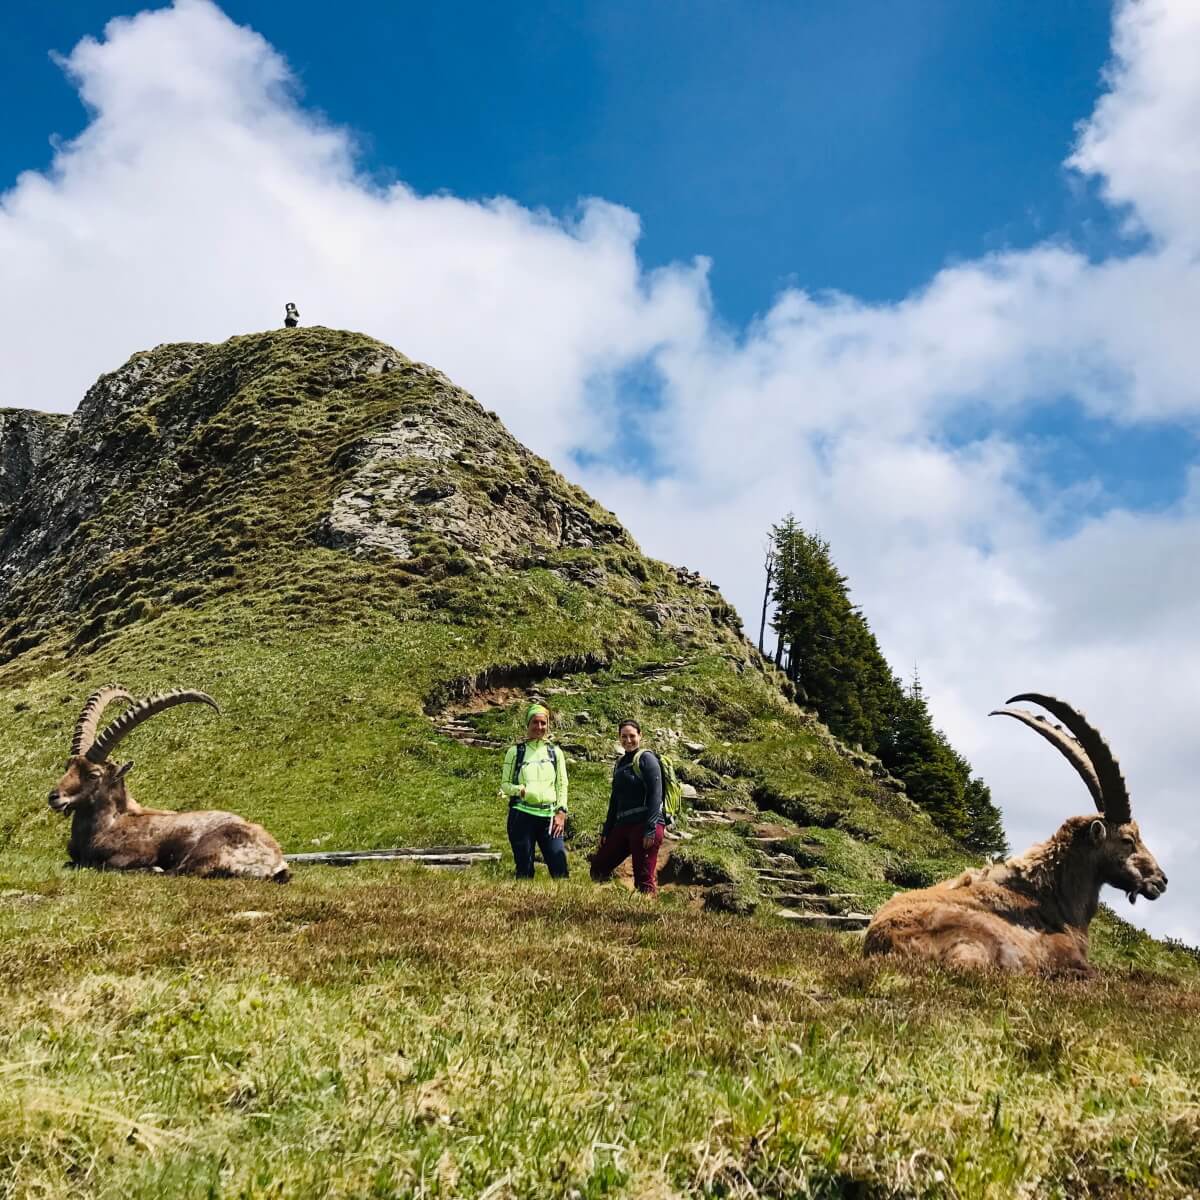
637,760
518,763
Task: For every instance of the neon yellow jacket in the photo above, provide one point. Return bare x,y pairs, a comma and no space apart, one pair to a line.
544,781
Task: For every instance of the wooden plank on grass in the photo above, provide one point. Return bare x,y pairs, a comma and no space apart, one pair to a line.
420,860
391,852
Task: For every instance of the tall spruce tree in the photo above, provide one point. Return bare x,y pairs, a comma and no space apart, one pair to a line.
826,646
932,772
830,654
986,830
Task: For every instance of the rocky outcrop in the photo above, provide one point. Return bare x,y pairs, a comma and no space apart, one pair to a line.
26,439
151,442
99,453
453,470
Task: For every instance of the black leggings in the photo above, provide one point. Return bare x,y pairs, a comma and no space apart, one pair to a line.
524,831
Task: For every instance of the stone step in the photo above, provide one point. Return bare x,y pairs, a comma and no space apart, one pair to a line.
469,738
797,881
834,921
711,817
784,874
814,901
763,842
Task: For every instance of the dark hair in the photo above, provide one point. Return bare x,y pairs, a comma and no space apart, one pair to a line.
628,721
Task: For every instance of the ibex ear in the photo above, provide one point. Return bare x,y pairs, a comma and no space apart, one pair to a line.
1099,831
124,770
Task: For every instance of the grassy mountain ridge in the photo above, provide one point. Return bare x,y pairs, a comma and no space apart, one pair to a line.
308,514
339,544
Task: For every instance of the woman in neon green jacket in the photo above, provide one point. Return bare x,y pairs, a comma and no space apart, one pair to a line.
534,778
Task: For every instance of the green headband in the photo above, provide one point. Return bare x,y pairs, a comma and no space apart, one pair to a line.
536,710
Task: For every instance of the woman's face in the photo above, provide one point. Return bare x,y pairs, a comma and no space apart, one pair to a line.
536,729
631,739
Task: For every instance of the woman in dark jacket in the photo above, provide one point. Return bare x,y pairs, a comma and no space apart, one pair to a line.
635,820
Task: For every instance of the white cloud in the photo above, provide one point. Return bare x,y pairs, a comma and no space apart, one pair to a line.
1143,140
202,195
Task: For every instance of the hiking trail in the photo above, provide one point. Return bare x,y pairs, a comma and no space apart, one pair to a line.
789,892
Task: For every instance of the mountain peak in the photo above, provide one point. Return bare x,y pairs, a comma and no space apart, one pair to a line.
198,467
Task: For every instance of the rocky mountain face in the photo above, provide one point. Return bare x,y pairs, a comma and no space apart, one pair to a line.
197,466
453,469
26,439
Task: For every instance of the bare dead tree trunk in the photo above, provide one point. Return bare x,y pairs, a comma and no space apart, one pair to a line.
769,564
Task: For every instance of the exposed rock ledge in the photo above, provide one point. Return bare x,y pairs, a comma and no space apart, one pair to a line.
454,470
26,437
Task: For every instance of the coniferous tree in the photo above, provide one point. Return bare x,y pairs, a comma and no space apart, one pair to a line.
769,567
933,774
830,654
986,833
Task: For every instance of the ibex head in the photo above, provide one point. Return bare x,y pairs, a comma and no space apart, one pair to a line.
1124,862
1120,856
89,777
84,783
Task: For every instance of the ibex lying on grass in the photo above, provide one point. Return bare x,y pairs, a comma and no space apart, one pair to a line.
110,829
1032,912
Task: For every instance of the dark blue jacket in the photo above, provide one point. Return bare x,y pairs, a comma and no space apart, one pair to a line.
636,798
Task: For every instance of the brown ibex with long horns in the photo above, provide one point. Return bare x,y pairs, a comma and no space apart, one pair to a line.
1032,912
110,829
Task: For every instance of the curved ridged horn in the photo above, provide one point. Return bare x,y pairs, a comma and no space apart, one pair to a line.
1061,740
1114,792
143,710
93,710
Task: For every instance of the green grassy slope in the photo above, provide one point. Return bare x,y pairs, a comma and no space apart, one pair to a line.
379,1031
200,480
404,1034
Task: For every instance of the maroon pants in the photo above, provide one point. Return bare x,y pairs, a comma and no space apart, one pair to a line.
623,841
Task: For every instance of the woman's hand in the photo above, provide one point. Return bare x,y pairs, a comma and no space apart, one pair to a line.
648,842
558,824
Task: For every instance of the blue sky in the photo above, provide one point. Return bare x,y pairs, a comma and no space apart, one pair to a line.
856,147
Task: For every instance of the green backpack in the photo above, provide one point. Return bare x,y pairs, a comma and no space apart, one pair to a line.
672,788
